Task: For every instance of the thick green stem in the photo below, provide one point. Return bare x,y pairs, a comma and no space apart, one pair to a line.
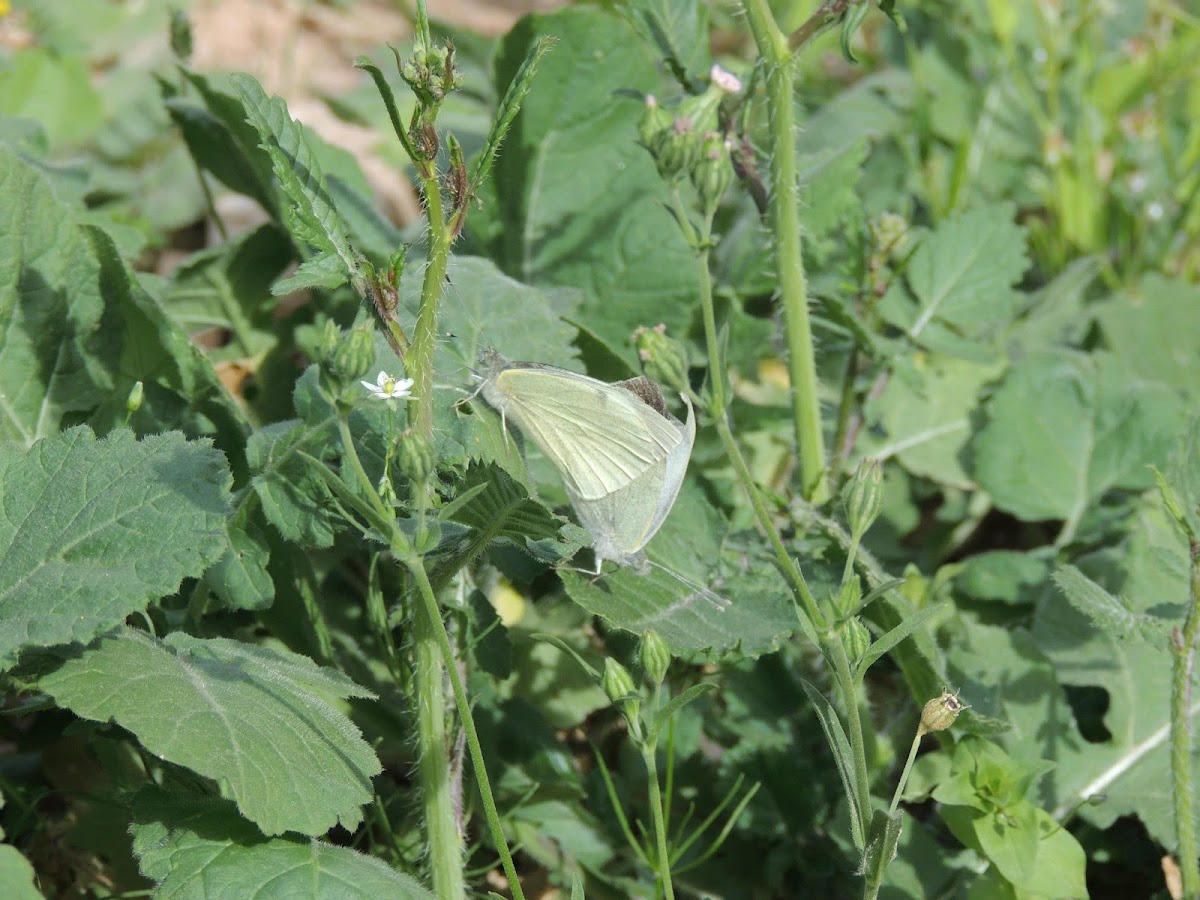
430,609
1181,737
433,762
784,215
660,825
420,355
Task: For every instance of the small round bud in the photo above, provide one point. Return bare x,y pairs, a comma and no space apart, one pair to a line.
416,456
136,394
890,236
181,35
354,355
940,712
675,148
664,359
856,639
863,496
655,656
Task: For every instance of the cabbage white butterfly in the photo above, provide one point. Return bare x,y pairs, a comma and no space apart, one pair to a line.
621,453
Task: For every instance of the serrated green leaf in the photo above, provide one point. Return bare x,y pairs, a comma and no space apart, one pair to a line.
576,200
240,577
310,215
256,719
92,530
294,498
503,509
928,417
1063,429
757,613
200,847
961,276
679,31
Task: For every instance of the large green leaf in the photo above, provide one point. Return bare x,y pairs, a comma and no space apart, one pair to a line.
196,847
92,530
53,329
1130,765
1065,428
961,277
576,200
257,719
1153,328
928,416
688,597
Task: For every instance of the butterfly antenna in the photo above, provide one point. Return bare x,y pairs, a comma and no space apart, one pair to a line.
721,603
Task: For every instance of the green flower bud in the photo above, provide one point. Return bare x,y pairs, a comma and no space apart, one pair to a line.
655,656
863,496
134,401
664,359
416,456
655,120
354,355
676,148
940,713
395,266
856,639
618,684
712,173
849,596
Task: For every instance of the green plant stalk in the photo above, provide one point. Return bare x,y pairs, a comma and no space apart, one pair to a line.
431,611
912,757
807,611
1181,736
420,355
785,224
660,826
849,686
433,761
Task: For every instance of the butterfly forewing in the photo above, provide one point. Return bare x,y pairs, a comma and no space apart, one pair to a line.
599,436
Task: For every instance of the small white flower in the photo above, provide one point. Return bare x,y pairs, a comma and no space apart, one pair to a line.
388,388
726,81
1155,211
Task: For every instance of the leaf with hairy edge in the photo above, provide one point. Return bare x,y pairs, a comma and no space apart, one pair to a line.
255,718
92,530
194,846
311,216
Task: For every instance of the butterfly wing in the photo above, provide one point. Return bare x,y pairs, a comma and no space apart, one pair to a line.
599,436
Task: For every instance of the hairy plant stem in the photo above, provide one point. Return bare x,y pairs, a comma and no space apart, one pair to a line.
848,684
434,772
429,603
660,826
420,354
784,217
435,657
1184,647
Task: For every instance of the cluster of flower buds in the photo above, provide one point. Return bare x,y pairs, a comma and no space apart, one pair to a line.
687,142
663,359
431,73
